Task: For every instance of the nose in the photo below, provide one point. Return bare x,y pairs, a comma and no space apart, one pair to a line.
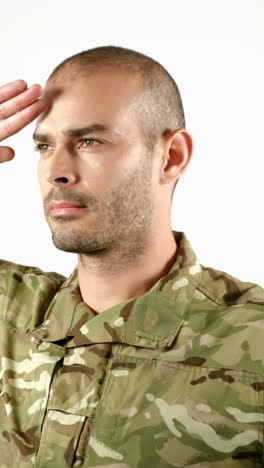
61,168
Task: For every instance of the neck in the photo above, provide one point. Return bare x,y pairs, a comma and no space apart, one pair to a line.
110,277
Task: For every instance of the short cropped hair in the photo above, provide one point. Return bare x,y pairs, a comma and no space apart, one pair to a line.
159,109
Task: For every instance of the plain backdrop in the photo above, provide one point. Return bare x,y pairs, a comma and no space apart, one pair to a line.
214,50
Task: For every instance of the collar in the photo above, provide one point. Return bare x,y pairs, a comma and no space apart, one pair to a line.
151,320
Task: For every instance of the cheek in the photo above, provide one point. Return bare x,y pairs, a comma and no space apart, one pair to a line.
99,176
41,179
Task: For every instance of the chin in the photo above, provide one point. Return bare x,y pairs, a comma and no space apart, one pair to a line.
79,244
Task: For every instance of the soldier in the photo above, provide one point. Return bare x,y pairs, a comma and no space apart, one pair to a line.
143,357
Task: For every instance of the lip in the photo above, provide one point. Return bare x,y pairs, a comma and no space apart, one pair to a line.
65,208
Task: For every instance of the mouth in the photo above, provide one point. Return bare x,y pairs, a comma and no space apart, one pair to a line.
65,208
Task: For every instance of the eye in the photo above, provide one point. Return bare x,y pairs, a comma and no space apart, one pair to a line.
89,142
42,148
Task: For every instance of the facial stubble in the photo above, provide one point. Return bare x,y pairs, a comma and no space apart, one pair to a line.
122,218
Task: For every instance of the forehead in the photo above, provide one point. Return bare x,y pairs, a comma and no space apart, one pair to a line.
107,98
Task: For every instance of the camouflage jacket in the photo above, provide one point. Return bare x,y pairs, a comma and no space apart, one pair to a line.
174,377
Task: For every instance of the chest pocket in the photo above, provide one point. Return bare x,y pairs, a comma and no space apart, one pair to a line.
157,414
75,392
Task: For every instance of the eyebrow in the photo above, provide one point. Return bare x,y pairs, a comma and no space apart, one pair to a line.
77,132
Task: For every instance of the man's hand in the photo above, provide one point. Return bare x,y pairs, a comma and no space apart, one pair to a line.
19,105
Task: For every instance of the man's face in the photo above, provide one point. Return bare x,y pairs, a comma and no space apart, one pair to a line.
92,156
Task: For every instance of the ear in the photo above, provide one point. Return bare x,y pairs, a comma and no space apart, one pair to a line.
178,147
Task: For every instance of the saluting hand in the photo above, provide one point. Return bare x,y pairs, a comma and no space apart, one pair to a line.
19,105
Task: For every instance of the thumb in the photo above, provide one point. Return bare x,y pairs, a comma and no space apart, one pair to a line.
6,153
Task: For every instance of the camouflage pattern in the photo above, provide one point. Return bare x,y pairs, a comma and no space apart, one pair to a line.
173,378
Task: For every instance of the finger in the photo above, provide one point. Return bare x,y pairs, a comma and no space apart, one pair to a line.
10,90
6,153
18,121
21,101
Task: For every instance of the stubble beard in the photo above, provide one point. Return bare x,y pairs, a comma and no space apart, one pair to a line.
123,220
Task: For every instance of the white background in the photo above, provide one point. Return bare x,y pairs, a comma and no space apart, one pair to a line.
214,50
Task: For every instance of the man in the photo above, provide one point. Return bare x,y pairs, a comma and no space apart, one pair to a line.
143,357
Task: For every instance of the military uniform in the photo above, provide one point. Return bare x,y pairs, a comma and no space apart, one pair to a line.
174,377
